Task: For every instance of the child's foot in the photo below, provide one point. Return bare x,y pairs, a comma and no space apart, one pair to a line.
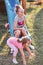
14,61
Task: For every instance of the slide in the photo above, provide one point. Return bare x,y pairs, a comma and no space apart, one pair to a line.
10,4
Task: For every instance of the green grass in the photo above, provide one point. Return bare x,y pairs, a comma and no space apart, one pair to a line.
35,27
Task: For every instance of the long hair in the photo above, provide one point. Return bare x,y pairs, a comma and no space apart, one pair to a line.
24,40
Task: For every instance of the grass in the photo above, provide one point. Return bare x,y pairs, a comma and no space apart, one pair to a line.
35,27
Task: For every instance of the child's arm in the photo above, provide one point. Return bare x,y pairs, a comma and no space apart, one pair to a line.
28,49
25,23
23,56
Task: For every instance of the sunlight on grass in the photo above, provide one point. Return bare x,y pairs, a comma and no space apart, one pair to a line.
3,53
31,60
3,37
30,21
5,49
30,17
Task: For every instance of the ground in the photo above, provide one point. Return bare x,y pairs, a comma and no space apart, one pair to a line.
35,26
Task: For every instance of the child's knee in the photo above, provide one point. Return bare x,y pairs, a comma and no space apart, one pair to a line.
17,33
23,32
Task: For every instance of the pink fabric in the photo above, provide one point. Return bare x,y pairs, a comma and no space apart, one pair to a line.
14,41
15,50
21,23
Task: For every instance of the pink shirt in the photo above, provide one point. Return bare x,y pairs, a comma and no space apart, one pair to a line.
13,40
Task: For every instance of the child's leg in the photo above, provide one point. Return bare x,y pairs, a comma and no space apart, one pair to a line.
24,32
15,51
17,33
14,55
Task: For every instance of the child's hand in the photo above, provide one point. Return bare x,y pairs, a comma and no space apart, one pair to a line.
24,63
31,56
20,28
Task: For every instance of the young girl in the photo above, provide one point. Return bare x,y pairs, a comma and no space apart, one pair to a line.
19,22
15,44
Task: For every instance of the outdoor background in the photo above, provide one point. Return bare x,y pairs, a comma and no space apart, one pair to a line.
34,15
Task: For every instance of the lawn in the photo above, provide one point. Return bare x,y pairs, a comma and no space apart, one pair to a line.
35,26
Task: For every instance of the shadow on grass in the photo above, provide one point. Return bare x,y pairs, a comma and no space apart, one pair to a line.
38,36
38,26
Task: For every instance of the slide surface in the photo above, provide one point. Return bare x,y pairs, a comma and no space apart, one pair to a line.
10,4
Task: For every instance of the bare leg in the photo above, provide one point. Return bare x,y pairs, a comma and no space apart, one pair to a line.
14,55
24,32
17,33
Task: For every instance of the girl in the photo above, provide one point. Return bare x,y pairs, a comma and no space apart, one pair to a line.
15,44
19,22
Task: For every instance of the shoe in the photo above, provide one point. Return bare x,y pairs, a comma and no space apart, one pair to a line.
14,61
31,47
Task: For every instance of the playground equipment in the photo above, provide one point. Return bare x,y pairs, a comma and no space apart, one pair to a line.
10,4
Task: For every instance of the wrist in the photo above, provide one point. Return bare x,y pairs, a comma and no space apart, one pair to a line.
24,63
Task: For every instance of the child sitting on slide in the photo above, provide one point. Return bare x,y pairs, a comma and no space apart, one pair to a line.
19,22
15,44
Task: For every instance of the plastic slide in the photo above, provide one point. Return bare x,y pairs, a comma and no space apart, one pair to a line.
10,4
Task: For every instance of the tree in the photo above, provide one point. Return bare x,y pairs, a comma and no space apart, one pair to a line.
24,5
39,1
